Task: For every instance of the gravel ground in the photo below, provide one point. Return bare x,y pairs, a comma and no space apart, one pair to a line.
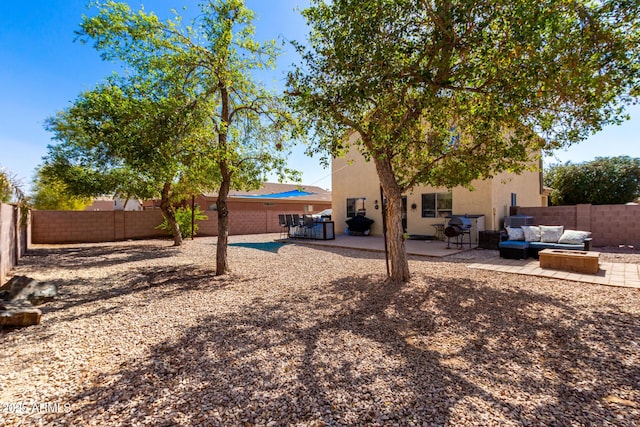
145,334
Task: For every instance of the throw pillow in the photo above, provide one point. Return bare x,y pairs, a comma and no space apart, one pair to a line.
574,237
531,233
550,233
515,233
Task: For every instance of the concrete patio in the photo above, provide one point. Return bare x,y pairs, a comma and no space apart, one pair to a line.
610,273
432,248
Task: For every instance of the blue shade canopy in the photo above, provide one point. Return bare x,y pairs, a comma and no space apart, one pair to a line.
284,195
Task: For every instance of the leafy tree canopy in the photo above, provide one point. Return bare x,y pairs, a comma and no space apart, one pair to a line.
442,93
126,136
10,188
605,180
51,193
187,116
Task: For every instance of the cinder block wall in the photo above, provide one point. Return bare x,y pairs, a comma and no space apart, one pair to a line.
7,241
94,226
13,239
142,224
72,226
616,224
107,226
552,215
610,225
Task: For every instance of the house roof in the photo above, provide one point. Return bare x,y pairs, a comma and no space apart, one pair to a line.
273,190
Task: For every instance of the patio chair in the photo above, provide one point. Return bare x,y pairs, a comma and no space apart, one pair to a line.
439,231
284,226
291,224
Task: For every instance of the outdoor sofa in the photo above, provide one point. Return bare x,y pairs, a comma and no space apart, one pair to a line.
526,241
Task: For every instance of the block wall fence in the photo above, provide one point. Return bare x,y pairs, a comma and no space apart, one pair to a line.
610,225
13,239
107,226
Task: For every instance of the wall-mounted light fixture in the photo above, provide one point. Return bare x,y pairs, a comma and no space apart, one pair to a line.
413,206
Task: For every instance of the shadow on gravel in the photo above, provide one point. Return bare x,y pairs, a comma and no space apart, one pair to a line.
97,256
144,282
349,252
362,352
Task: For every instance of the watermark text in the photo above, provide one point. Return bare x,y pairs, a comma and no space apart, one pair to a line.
34,407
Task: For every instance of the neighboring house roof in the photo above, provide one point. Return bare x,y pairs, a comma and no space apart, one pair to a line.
272,190
110,203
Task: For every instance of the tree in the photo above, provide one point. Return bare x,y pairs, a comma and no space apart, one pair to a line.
133,137
50,193
204,119
184,216
11,192
605,180
10,188
442,93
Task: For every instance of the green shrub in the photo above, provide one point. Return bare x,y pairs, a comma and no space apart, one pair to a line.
183,218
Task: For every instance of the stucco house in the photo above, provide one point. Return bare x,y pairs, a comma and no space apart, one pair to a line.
355,186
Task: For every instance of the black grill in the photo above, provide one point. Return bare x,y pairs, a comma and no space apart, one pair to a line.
461,222
458,226
359,224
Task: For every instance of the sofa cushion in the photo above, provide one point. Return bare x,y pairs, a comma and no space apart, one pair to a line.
531,233
574,237
515,233
550,233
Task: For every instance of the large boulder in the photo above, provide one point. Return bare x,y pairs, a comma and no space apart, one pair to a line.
18,297
22,287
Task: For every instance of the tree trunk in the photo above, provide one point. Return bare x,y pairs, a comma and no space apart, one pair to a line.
170,215
222,264
395,233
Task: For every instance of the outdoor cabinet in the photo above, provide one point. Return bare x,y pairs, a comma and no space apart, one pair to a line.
489,239
325,230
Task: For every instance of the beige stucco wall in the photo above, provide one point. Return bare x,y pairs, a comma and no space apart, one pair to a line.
353,177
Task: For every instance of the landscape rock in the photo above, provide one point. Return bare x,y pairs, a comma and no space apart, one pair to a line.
18,314
23,287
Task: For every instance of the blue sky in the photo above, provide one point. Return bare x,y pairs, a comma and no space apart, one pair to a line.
42,70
